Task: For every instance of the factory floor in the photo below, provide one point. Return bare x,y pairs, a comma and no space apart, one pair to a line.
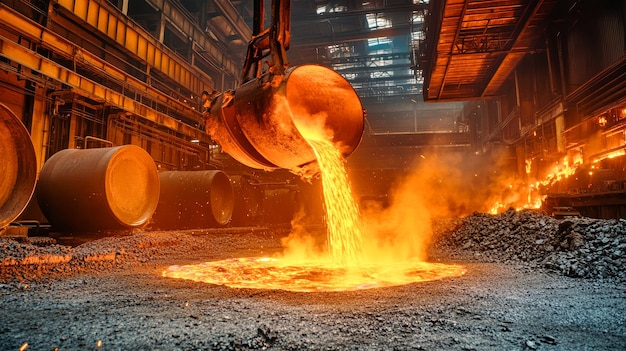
109,294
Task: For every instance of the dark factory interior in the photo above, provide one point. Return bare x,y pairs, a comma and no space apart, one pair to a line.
515,95
142,119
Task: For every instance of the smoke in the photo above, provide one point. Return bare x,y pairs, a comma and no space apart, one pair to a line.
401,231
301,243
397,233
455,185
433,185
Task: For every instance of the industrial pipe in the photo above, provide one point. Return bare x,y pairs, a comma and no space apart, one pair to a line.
98,189
264,123
18,167
193,199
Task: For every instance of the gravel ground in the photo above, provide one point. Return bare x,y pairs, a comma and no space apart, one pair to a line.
532,283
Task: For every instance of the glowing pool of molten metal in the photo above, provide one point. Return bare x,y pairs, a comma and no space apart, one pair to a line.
275,273
344,267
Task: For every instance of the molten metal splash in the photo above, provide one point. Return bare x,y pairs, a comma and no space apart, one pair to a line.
345,265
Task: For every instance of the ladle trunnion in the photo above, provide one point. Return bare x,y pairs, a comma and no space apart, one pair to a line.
265,122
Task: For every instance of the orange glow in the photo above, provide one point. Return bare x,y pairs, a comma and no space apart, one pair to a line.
309,276
561,170
343,221
385,248
612,155
527,196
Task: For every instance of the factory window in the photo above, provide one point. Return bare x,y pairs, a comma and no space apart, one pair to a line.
346,66
146,16
418,36
177,42
380,74
341,50
328,9
418,17
377,21
382,43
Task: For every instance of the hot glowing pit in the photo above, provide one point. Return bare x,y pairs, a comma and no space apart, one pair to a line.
309,276
355,258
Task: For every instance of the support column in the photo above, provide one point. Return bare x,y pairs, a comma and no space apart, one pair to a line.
559,124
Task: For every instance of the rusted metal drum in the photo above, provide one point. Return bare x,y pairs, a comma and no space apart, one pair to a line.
98,189
18,167
264,123
194,199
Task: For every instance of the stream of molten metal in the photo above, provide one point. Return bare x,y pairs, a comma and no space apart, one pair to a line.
343,220
345,264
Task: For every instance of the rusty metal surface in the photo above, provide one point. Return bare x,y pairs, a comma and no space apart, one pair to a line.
478,44
107,20
85,84
18,167
262,123
98,189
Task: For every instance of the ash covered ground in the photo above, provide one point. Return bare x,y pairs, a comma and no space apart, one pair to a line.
533,283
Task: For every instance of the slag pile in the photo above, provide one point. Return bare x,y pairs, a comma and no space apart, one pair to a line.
575,246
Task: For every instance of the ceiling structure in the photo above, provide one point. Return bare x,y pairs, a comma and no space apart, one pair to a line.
371,43
446,50
395,53
474,45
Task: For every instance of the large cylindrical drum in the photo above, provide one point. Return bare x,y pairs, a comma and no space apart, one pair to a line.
98,189
18,167
194,199
265,123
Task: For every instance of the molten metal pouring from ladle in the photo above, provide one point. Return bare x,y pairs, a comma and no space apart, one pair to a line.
298,118
262,122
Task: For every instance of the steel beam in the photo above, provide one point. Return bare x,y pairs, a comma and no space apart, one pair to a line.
83,85
110,22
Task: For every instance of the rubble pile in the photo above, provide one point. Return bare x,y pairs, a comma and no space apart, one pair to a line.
26,258
21,251
575,246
